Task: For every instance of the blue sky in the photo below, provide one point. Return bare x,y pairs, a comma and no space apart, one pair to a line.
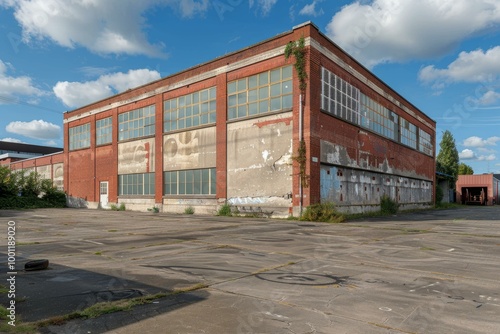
57,55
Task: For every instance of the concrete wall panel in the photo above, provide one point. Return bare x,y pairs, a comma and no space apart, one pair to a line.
357,188
259,158
136,156
58,175
189,150
45,171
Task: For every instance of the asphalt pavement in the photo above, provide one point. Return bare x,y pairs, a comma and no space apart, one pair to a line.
432,271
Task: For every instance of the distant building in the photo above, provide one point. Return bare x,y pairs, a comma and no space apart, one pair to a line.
229,131
11,152
478,189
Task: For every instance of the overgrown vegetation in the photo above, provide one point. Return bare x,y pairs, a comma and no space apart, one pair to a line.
388,206
297,49
189,210
322,212
120,207
225,210
21,190
439,195
154,209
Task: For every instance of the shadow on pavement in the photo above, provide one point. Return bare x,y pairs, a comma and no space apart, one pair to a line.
61,290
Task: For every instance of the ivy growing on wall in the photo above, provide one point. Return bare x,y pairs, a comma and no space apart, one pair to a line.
298,51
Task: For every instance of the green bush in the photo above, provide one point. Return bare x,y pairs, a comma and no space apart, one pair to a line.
439,195
322,212
225,210
388,206
115,207
189,210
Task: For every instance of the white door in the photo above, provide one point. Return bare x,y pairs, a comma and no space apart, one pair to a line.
103,190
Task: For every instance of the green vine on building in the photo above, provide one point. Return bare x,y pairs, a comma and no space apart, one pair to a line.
297,49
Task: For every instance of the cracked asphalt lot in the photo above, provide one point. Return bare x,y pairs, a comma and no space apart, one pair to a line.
424,272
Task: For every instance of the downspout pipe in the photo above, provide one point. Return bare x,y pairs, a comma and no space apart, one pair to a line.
300,141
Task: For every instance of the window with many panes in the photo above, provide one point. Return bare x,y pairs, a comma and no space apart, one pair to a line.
190,110
103,132
260,93
339,98
408,134
136,184
189,182
79,137
379,119
136,123
425,142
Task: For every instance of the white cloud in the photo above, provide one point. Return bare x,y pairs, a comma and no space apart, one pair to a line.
489,98
11,140
11,86
399,30
490,157
104,27
475,141
76,94
467,154
474,66
311,9
37,129
265,6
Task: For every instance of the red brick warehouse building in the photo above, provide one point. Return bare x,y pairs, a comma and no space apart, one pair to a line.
228,131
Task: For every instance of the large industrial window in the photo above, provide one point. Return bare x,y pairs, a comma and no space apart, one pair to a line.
425,143
136,123
136,184
339,98
79,137
408,134
103,131
190,110
379,119
189,182
260,93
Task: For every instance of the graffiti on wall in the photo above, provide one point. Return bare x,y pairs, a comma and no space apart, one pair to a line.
136,156
189,149
58,176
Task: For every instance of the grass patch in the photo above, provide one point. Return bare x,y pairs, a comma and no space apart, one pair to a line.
103,308
442,206
225,210
3,289
112,230
388,206
120,207
98,253
27,243
424,248
18,328
189,210
322,212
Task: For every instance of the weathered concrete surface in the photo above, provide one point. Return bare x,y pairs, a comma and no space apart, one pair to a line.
426,272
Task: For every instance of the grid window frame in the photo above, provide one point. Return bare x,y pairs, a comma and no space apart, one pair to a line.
408,133
378,118
136,123
265,92
141,184
79,137
190,182
104,131
339,97
190,110
425,144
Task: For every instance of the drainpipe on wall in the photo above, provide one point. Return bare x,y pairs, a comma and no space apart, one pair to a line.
300,140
